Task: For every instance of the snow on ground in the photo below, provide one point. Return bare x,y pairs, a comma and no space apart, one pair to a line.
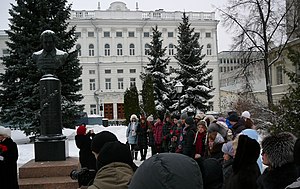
26,149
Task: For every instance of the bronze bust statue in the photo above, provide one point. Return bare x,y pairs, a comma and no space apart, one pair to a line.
49,59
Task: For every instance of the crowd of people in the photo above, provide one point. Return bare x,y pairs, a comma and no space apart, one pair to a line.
198,151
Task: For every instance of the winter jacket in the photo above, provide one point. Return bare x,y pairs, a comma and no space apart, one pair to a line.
199,142
188,147
86,157
8,165
115,175
131,132
278,178
238,127
212,174
150,133
158,126
142,135
227,171
166,136
166,171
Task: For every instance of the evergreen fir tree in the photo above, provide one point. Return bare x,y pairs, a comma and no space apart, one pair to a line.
288,109
193,73
157,68
131,103
19,94
148,96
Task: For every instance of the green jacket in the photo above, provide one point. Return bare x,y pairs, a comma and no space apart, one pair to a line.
115,175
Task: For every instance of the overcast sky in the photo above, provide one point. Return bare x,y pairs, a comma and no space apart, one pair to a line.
224,39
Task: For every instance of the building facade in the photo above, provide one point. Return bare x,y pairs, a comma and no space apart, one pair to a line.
113,51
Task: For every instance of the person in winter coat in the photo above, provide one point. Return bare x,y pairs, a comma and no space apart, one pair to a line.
214,147
115,166
189,132
158,127
8,160
277,154
227,163
219,127
175,133
200,139
166,139
212,174
167,170
237,124
83,142
131,135
296,184
150,131
142,138
245,168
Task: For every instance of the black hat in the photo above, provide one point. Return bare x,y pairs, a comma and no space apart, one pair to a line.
189,120
233,117
100,139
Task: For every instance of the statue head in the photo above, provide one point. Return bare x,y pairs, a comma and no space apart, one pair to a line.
48,40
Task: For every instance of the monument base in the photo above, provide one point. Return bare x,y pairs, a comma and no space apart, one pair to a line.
51,150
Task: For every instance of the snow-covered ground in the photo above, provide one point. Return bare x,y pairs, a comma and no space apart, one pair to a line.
26,149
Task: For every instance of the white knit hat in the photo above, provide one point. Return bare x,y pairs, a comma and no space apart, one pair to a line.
5,131
246,114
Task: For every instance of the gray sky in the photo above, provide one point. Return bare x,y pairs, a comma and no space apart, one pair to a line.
224,39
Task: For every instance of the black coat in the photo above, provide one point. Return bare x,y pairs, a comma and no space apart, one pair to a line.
278,178
189,148
8,166
86,157
141,132
212,173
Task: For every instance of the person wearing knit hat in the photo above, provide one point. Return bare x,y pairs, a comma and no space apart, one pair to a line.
189,132
200,139
237,124
116,167
246,114
183,117
228,151
100,139
277,154
8,160
83,142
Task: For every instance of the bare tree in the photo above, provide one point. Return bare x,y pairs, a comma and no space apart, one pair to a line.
260,25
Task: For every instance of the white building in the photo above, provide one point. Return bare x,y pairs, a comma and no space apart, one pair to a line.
113,51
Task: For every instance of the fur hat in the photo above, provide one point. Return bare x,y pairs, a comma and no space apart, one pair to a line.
279,148
246,114
133,116
227,148
200,116
202,122
233,117
100,139
81,130
184,116
150,118
6,132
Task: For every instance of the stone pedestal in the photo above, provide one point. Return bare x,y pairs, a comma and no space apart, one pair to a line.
51,150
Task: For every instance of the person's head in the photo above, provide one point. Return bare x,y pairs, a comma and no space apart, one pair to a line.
175,118
189,121
209,119
133,118
245,115
214,138
227,149
278,149
168,170
150,118
201,126
233,119
48,40
4,133
100,139
143,119
81,130
160,118
183,117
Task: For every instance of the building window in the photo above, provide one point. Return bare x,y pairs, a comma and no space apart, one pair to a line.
92,84
90,34
146,34
170,34
120,83
77,34
131,49
208,49
106,34
132,71
107,71
208,35
147,49
91,50
93,109
107,83
92,72
107,50
171,49
279,75
130,34
78,48
210,106
119,34
119,50
119,71
221,69
132,82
